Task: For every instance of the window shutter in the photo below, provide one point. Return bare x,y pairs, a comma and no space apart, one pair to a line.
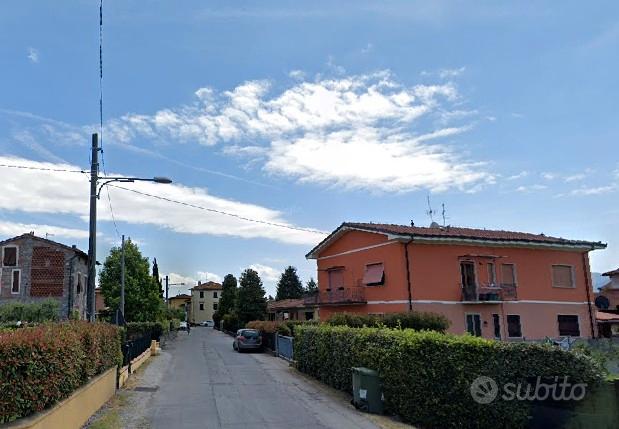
562,276
508,276
374,274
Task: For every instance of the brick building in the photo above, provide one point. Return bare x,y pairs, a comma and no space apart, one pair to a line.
35,268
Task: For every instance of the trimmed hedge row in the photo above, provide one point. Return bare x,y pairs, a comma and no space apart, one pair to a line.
43,311
417,320
427,376
42,365
135,330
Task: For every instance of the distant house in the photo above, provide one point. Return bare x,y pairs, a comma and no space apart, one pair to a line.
607,298
291,309
495,284
35,268
99,301
204,301
180,301
608,324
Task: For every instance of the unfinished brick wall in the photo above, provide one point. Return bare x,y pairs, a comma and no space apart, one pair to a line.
47,271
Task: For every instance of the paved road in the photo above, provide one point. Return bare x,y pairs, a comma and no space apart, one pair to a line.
208,385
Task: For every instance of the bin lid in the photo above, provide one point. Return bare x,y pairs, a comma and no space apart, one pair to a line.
365,371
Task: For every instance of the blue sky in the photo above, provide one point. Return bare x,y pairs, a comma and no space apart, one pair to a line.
309,114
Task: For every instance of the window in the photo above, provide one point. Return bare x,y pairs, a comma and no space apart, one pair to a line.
491,274
514,329
467,276
214,294
214,306
309,315
374,275
568,325
473,324
336,278
15,281
201,294
9,256
79,283
562,276
201,306
496,321
508,274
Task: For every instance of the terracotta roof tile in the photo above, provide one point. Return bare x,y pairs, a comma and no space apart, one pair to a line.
611,273
285,303
453,232
208,286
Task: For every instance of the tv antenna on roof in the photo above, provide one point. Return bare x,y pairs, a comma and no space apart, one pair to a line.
443,213
430,212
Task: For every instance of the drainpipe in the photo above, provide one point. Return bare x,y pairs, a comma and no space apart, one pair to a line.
585,267
70,298
408,275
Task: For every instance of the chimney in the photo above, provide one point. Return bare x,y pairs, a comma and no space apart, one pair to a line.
199,282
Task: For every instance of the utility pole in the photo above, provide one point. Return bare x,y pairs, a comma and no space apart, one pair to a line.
92,242
167,301
122,277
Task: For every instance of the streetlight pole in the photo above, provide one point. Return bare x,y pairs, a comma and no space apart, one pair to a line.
92,232
122,277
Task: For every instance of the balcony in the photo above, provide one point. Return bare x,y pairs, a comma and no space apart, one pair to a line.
489,294
340,296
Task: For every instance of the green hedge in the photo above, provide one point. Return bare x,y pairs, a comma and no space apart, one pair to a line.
42,365
137,330
44,311
427,375
417,320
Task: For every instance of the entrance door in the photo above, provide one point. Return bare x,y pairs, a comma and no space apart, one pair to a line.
469,286
496,320
473,324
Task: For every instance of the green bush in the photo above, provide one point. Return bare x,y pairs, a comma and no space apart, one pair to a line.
137,330
44,311
417,320
427,376
42,365
231,322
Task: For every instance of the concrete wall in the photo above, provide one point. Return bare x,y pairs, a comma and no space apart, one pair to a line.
435,282
71,267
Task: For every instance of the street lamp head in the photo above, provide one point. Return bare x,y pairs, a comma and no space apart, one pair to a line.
158,179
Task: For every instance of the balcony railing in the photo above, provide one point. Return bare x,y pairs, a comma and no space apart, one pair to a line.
503,292
340,296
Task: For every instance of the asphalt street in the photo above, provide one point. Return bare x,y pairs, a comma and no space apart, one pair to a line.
205,384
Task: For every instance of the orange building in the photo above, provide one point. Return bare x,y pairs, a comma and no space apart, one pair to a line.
495,284
609,293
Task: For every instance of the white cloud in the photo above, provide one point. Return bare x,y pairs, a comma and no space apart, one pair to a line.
451,73
520,175
209,277
599,190
531,188
297,74
12,229
367,48
33,55
355,119
267,274
65,192
549,176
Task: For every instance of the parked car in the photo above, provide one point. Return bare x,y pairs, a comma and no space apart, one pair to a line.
247,339
207,323
182,326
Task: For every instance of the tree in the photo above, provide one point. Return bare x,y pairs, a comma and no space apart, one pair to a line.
143,302
156,276
289,285
250,302
311,287
228,295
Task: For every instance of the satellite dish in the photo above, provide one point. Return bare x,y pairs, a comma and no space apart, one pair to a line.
602,302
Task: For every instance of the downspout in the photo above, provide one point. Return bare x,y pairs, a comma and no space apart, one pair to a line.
70,298
408,275
588,286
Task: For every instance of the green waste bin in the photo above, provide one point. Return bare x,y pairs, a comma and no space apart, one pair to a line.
367,390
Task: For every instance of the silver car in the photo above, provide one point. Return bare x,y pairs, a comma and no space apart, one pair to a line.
247,339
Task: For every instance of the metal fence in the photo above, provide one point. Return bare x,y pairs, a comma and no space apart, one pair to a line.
134,348
285,347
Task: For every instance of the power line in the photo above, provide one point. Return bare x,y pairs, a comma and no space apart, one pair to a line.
24,167
109,200
195,206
